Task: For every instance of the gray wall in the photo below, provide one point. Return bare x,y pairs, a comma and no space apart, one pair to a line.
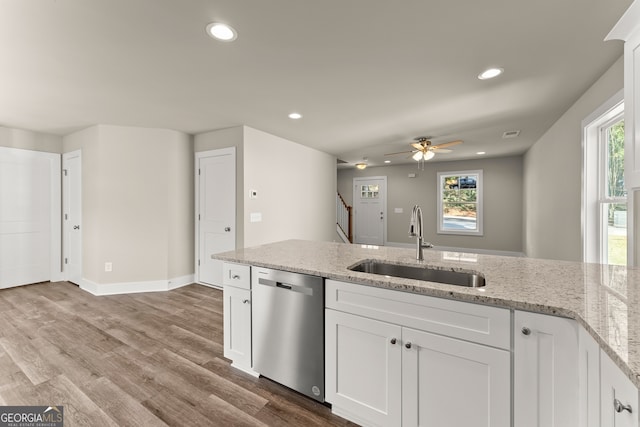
137,203
29,140
502,201
553,177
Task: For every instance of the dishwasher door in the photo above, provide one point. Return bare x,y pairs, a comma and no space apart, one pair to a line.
288,329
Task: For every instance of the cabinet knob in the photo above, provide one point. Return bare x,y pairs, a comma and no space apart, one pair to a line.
408,345
526,331
393,341
619,407
245,301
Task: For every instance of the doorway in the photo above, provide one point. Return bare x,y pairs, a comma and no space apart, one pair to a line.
215,211
370,206
72,216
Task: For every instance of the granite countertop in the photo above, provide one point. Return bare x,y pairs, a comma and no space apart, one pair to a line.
604,299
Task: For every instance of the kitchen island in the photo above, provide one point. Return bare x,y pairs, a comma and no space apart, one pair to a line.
602,299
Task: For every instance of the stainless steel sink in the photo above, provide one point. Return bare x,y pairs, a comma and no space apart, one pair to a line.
459,278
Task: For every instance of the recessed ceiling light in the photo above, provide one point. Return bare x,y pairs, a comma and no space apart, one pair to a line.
295,116
490,73
387,161
480,153
221,32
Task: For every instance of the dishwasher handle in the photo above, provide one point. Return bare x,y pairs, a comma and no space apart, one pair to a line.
286,286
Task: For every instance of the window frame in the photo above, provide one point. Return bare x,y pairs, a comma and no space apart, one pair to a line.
479,231
594,180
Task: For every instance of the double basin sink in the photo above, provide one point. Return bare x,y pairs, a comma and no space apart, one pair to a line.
449,277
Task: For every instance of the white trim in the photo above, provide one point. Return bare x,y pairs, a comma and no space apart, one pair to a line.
479,204
135,287
589,219
56,260
64,196
439,248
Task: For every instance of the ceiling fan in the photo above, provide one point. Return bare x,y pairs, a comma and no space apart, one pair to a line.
423,150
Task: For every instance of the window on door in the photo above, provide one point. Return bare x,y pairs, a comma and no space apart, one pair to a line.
605,193
460,202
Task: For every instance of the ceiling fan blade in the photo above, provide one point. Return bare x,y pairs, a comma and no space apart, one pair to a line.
417,146
441,150
399,152
447,144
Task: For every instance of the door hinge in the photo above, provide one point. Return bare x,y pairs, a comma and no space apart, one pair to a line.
65,172
198,171
198,262
66,261
66,216
198,217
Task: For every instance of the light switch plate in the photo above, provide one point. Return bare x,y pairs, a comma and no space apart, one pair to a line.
255,217
398,210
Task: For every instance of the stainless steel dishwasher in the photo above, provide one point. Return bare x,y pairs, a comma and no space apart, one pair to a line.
287,319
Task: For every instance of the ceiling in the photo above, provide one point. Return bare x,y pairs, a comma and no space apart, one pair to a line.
367,75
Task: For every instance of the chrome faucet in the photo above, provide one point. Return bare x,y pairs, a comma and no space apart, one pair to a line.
415,230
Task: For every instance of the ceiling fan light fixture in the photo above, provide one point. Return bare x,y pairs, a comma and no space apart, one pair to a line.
429,155
490,73
417,156
361,166
295,116
221,32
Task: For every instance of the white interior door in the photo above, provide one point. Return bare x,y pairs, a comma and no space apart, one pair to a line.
72,218
370,204
215,211
29,187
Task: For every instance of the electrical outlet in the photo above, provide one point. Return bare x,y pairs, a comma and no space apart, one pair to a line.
108,266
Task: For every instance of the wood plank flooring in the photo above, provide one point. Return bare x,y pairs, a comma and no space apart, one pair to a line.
152,359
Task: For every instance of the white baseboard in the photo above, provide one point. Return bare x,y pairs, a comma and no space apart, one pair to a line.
135,287
454,249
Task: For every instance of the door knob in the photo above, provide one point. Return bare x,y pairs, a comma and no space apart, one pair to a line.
227,229
408,345
393,341
619,407
526,331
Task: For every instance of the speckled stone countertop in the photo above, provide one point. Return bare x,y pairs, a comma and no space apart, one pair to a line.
604,299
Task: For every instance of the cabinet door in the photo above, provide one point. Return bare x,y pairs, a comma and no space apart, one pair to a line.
545,371
237,326
589,370
363,369
619,397
454,383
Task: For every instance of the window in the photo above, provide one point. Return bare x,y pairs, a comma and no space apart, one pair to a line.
460,202
369,191
604,193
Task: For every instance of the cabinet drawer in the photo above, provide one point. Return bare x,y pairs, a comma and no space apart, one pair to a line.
238,275
467,321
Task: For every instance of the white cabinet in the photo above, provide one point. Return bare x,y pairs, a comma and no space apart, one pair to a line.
589,382
237,315
381,370
363,368
453,383
619,397
545,371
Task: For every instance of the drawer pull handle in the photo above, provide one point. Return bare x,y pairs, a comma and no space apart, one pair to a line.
408,345
526,331
393,341
619,407
235,276
245,301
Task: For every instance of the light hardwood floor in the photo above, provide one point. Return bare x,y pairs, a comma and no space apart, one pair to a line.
148,359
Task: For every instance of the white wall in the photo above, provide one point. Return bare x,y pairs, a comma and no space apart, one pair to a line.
502,201
29,140
296,190
137,203
553,177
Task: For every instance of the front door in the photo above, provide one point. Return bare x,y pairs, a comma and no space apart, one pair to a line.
216,211
72,208
370,204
